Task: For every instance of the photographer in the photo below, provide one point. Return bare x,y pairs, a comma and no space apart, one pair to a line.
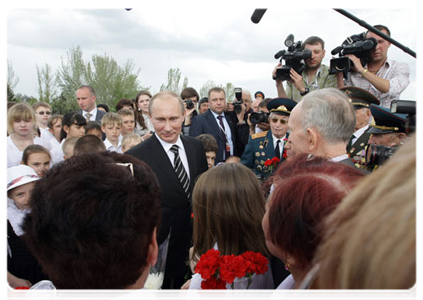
190,97
384,78
315,75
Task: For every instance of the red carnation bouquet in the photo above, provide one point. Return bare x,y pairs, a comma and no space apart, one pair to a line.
272,163
217,270
18,293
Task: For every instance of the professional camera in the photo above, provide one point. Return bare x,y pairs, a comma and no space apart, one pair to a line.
237,104
376,155
259,117
357,45
189,103
293,58
406,107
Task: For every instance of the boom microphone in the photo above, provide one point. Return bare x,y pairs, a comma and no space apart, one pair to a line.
257,15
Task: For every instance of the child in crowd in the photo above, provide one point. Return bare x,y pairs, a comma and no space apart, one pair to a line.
111,125
68,147
42,113
128,120
88,143
20,127
210,147
73,125
38,158
94,128
54,128
21,263
228,219
130,140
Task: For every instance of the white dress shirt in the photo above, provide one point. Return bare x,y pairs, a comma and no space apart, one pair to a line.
182,154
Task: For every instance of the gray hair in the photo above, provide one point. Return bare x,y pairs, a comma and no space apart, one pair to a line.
331,113
166,94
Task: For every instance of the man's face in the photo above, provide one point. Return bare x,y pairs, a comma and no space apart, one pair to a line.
203,107
278,125
217,102
246,98
362,116
86,101
167,117
385,139
297,139
128,124
380,53
317,55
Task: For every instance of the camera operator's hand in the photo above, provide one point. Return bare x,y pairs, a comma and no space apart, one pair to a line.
241,114
229,107
297,80
356,66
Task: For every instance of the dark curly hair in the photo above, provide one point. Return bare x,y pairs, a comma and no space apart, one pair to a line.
92,221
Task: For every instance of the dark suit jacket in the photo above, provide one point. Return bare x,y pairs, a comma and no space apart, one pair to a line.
176,208
206,123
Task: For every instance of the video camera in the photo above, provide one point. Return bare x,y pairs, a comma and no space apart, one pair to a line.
357,45
259,117
407,107
293,57
237,104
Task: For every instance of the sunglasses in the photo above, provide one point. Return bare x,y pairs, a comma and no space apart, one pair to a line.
282,121
44,112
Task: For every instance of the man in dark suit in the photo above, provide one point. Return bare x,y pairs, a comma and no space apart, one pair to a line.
226,128
86,97
167,113
271,143
321,124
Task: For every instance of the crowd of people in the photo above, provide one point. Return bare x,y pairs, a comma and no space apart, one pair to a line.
272,193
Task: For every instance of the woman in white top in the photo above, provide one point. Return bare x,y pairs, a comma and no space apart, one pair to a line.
20,126
143,124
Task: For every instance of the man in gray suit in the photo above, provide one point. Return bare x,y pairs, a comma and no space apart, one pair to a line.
321,124
86,97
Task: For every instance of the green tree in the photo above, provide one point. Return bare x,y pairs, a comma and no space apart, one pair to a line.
228,88
12,81
46,84
173,81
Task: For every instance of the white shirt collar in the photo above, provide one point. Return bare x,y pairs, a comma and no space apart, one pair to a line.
275,140
339,158
166,146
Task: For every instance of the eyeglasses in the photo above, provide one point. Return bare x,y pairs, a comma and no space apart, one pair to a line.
44,112
282,121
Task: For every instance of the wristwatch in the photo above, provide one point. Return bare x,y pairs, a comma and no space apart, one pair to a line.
305,92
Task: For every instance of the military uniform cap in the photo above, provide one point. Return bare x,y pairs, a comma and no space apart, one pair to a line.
360,98
281,106
385,121
259,93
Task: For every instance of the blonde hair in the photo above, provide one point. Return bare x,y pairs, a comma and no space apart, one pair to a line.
371,237
111,118
18,112
130,137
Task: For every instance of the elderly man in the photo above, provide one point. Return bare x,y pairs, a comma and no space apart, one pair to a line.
361,101
268,144
321,124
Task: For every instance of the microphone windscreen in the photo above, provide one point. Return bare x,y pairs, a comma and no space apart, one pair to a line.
258,14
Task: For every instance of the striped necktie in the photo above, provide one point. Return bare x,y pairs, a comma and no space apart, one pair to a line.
180,170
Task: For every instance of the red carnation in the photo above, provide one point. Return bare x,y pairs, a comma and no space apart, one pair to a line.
255,262
17,293
268,162
213,284
231,266
208,263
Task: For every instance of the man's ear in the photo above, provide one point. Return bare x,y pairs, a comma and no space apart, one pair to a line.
153,249
402,137
312,139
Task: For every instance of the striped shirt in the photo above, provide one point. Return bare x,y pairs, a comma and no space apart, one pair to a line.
397,73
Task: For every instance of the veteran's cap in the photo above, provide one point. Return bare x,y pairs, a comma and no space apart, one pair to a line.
360,98
282,106
385,121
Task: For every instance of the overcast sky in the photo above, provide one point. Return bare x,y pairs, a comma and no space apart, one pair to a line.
206,41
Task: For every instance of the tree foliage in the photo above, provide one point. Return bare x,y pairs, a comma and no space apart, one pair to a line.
228,88
173,81
46,84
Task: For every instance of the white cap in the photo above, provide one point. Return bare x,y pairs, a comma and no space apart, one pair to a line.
20,175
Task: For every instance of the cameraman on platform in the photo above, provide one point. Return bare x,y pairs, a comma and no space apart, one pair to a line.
384,78
315,75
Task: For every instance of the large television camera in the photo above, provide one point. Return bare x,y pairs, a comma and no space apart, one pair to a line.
357,45
293,57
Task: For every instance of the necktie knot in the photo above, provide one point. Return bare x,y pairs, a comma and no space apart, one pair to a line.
174,149
88,116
